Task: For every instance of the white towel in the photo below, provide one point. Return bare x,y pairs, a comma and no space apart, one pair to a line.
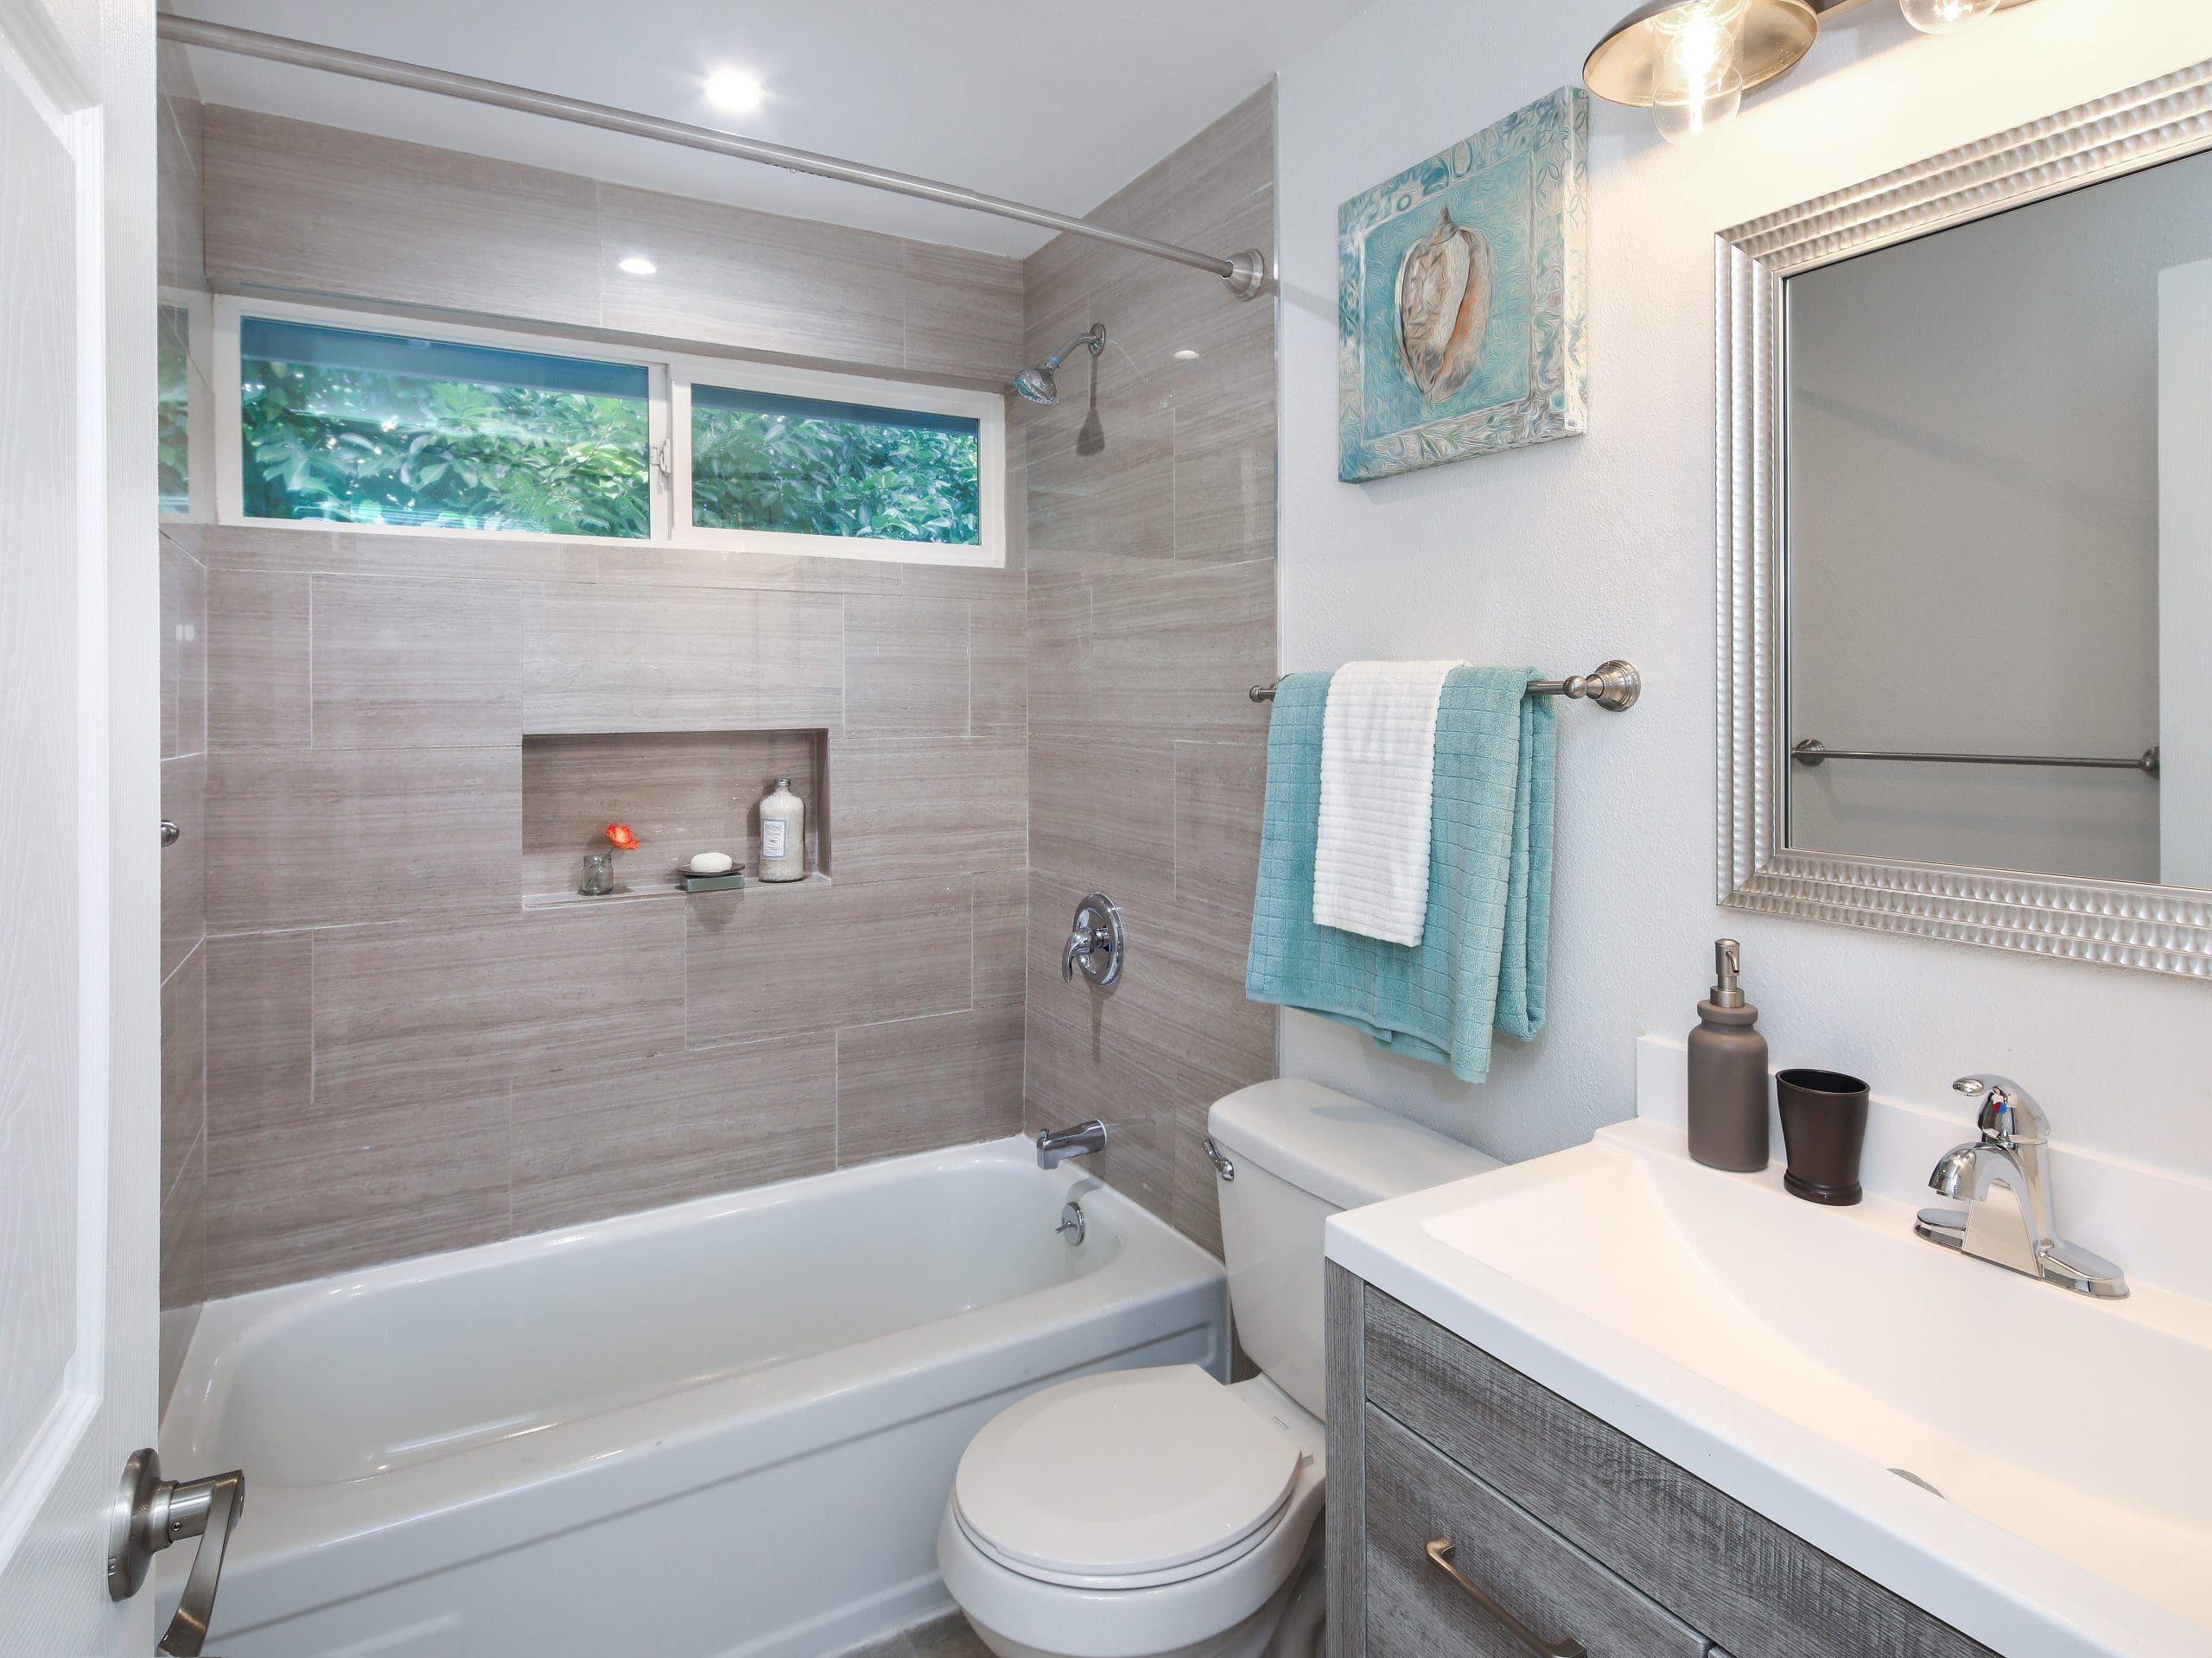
1378,764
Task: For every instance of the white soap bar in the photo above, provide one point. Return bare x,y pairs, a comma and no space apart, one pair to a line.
710,863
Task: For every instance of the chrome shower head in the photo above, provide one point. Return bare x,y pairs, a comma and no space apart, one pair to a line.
1036,382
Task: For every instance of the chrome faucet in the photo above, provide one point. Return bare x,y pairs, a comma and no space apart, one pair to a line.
1056,1146
2014,1230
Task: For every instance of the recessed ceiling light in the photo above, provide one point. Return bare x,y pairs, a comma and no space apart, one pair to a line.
735,89
638,265
1186,355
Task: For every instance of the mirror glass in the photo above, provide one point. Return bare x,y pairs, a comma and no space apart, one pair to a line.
1998,540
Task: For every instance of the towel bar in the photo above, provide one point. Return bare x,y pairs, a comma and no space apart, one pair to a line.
1614,686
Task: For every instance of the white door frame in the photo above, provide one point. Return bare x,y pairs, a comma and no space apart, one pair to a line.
86,67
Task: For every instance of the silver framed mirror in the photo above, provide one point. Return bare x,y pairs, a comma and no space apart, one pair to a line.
1824,842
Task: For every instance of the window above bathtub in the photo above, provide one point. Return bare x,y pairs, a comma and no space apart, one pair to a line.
347,420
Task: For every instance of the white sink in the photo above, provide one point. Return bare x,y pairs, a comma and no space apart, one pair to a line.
1795,1357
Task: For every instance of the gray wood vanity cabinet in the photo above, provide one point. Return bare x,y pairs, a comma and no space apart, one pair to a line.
1570,1527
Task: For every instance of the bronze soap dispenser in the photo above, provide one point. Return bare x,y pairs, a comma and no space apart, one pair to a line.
1728,1074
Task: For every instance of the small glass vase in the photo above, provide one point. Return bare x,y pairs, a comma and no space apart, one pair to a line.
599,874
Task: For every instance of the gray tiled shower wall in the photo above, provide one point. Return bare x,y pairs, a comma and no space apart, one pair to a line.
399,1055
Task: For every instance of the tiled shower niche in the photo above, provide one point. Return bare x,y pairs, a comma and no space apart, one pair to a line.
680,791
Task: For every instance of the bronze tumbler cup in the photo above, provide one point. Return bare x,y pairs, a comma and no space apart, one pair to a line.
1823,1131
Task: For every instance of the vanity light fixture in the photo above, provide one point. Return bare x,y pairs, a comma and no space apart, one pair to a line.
1690,61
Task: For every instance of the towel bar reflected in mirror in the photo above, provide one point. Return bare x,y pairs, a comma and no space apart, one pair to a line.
1614,686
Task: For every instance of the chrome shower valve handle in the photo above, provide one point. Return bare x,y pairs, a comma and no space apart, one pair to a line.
1096,944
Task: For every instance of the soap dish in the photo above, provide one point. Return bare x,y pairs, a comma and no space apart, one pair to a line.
729,880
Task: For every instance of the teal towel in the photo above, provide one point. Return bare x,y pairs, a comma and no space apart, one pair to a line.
1481,962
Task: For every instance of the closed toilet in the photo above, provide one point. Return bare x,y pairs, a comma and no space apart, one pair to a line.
1161,1513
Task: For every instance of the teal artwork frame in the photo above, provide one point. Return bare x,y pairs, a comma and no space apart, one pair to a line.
1463,298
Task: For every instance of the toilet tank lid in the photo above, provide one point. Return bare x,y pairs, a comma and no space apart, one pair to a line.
1344,1150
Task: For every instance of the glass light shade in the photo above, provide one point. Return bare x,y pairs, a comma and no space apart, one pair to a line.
1942,17
1698,79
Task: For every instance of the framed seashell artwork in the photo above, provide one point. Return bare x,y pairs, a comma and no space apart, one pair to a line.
1463,298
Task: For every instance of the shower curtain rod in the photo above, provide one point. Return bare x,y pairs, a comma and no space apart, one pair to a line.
1244,273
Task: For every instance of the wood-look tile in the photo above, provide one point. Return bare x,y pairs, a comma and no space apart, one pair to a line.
922,808
1224,165
184,873
180,248
410,662
184,652
998,664
907,664
1120,501
1102,805
964,311
516,994
184,1065
290,204
681,792
1226,454
318,548
942,1637
260,1031
608,658
1000,936
919,1083
184,1235
733,276
780,962
1176,651
660,566
257,649
342,836
603,1140
1220,798
350,1186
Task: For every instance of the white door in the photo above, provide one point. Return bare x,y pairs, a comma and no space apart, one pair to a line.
2185,575
80,1113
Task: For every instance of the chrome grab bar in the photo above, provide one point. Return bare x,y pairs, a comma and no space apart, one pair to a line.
149,1514
1811,751
1440,1551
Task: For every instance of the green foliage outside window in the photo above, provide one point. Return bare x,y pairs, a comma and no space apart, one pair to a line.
173,410
338,440
832,474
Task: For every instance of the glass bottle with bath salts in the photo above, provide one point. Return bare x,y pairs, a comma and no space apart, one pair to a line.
783,834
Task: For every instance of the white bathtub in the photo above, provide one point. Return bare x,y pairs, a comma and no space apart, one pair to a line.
724,1427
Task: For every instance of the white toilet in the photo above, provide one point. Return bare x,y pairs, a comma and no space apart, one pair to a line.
1162,1513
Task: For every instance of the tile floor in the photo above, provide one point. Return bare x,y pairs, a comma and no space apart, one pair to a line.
945,1637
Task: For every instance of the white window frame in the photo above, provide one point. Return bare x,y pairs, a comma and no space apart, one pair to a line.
987,410
201,380
670,378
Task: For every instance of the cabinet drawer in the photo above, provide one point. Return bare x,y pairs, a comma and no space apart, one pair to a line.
1748,1584
1416,1609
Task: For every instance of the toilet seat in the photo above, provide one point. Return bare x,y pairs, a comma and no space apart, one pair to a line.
1128,1480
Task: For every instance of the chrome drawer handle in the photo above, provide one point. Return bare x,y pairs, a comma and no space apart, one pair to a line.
1440,1551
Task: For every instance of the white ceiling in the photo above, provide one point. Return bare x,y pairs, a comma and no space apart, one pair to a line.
1057,103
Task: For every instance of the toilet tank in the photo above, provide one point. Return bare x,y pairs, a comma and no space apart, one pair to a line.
1301,1152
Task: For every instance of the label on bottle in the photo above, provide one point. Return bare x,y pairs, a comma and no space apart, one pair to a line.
772,837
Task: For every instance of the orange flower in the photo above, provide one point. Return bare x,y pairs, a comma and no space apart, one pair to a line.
623,840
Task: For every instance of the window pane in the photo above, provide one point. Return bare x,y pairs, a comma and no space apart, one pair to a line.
379,428
808,467
173,410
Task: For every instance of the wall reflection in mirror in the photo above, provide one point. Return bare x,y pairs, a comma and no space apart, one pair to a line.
1999,524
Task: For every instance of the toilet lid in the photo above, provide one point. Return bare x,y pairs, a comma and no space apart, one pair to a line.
1135,1472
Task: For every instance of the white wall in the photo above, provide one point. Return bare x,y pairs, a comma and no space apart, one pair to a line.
1603,545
